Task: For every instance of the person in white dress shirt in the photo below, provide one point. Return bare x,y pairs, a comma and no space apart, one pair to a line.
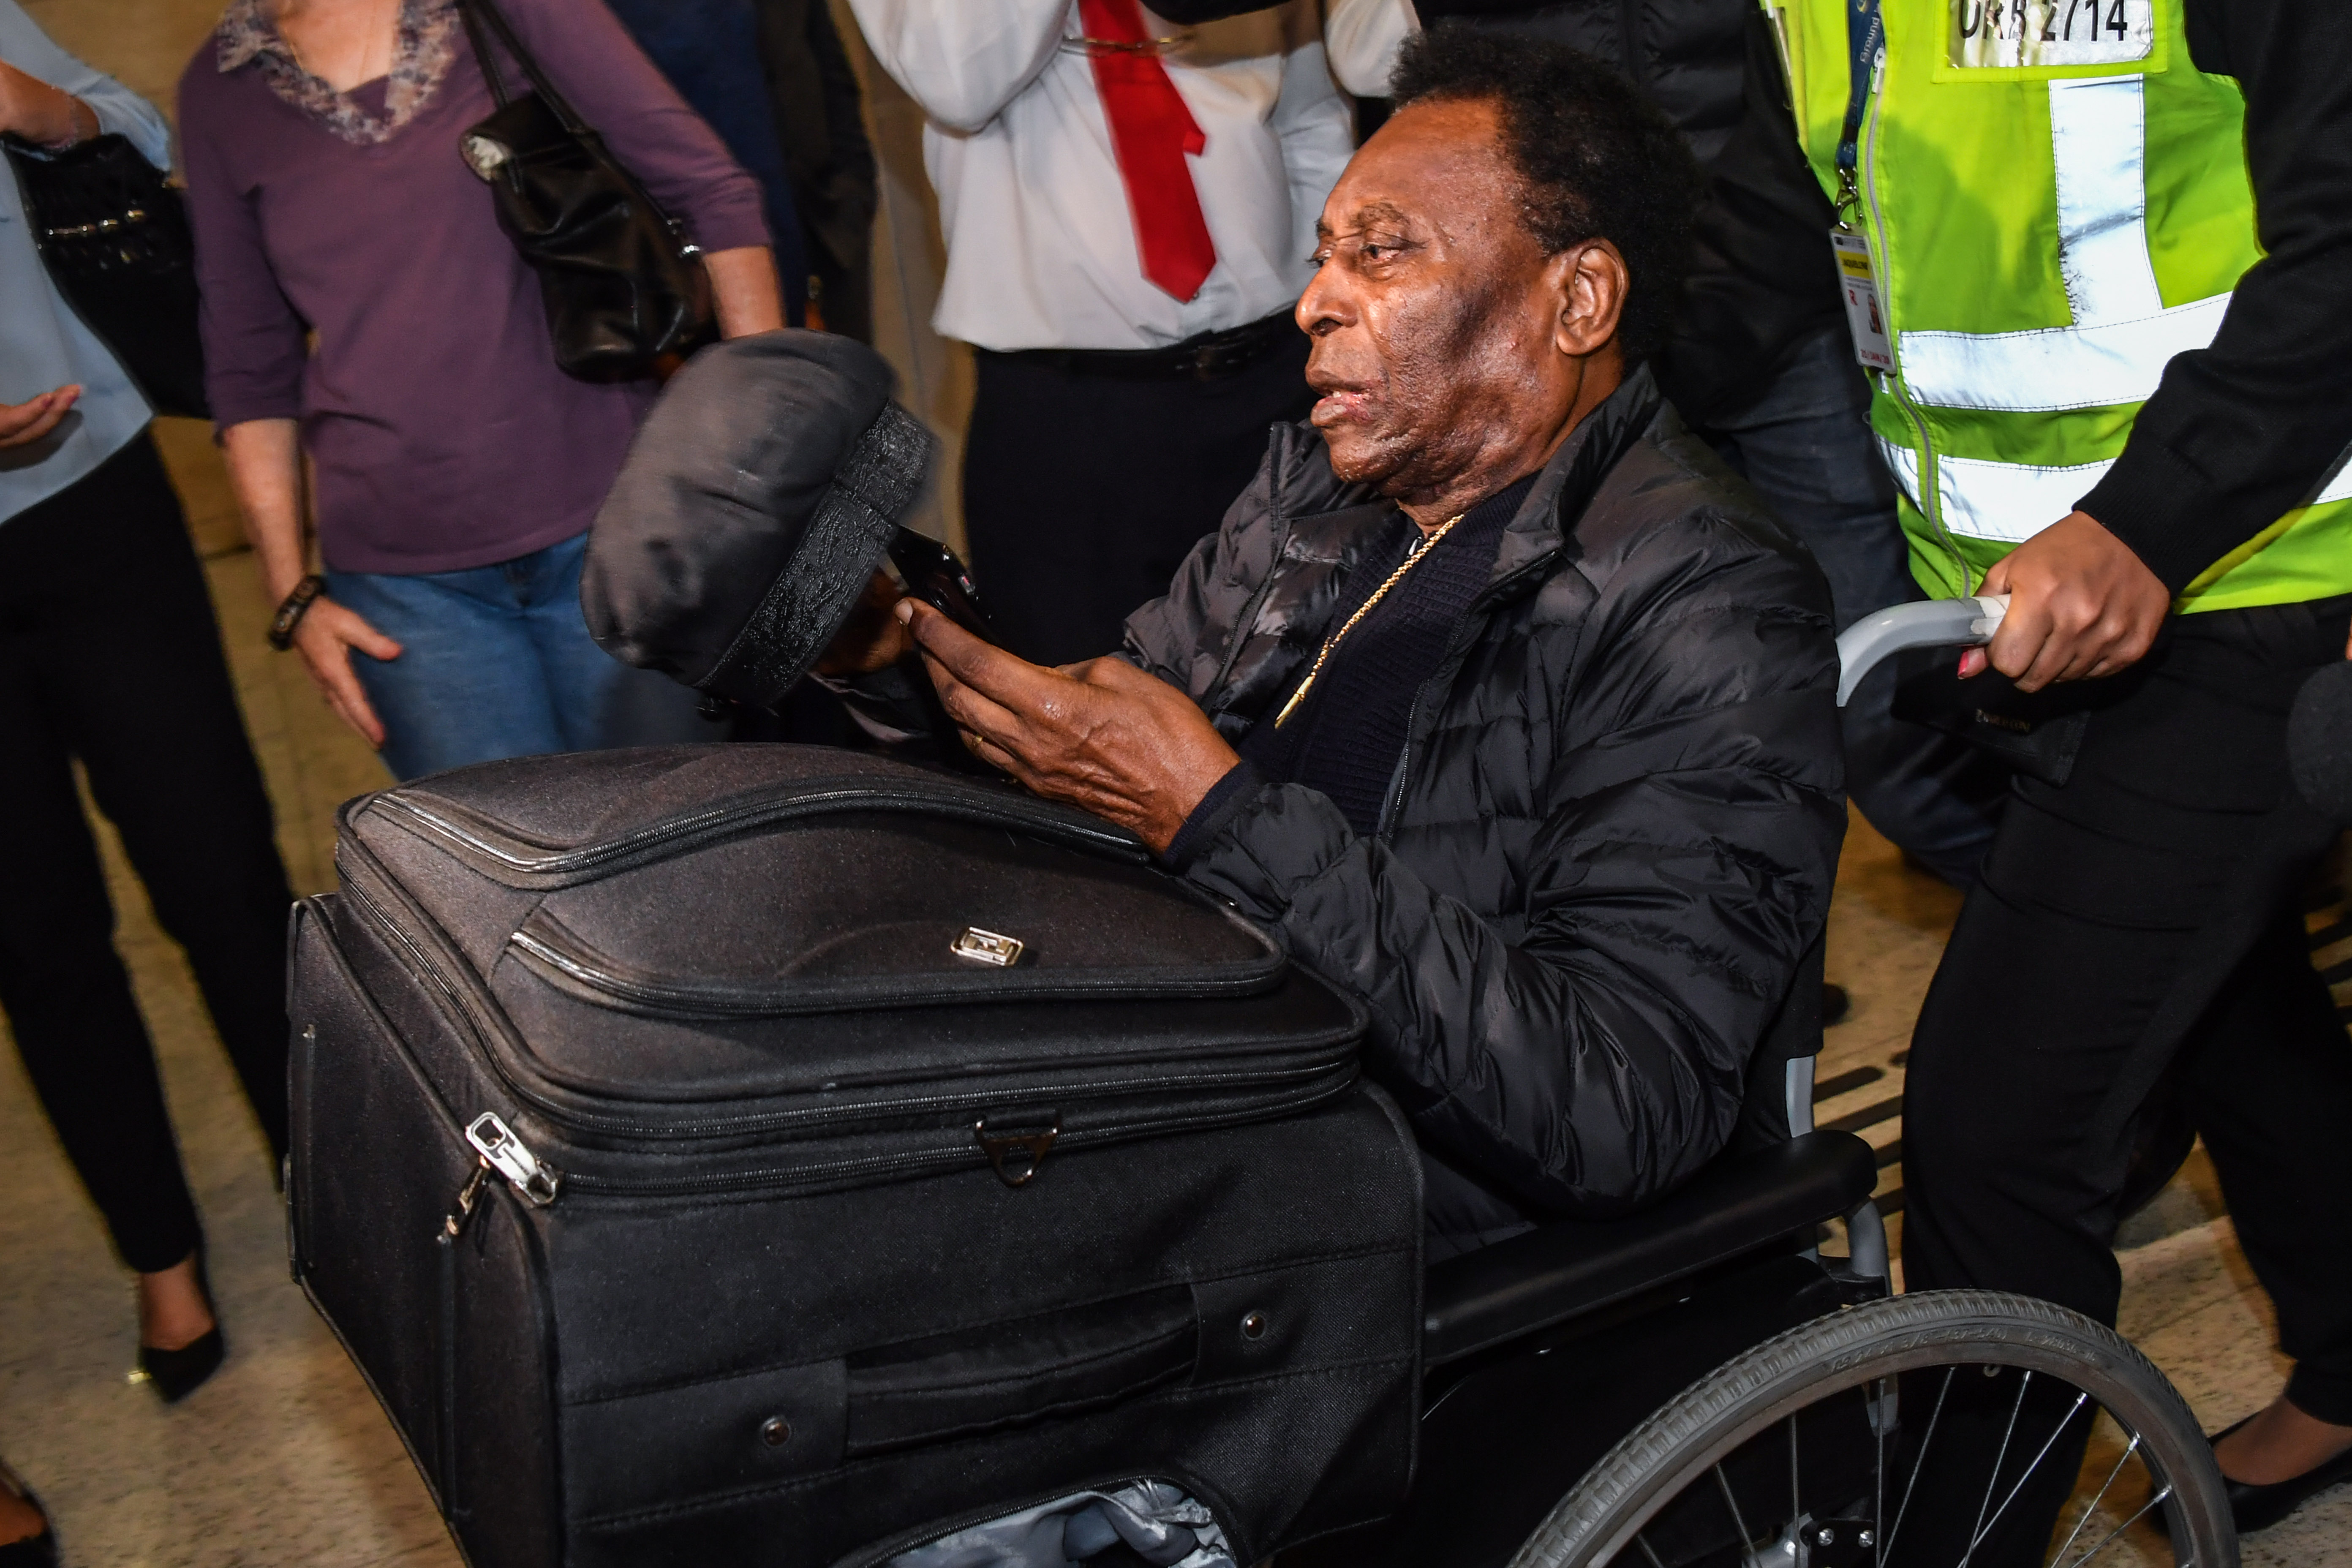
1128,198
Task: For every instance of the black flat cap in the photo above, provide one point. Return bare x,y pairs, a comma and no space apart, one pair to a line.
755,503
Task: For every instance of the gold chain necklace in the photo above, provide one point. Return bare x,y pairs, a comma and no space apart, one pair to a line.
1413,558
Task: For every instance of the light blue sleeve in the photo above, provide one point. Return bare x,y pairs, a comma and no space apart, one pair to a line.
30,50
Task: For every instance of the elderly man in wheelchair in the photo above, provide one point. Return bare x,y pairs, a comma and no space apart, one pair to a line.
1510,708
1489,757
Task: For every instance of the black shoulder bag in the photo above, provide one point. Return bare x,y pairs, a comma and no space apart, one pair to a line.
113,231
625,291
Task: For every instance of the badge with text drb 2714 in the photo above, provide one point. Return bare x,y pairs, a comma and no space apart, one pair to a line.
2012,33
1871,344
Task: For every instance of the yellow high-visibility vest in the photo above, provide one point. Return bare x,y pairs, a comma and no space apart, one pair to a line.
2056,202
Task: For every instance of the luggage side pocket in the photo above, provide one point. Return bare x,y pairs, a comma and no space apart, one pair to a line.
1002,1374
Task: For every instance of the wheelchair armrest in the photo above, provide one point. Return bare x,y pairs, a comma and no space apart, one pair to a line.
1567,1267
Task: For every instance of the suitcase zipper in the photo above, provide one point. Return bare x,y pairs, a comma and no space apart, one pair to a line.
540,1184
848,1116
737,816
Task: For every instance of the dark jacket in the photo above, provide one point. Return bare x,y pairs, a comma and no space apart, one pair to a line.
1611,835
1684,55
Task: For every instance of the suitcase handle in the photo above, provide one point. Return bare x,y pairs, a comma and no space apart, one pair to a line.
1002,1374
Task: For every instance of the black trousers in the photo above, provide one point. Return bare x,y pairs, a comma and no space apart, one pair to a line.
2095,898
1083,493
110,655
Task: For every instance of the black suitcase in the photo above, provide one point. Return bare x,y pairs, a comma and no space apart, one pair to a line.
767,1154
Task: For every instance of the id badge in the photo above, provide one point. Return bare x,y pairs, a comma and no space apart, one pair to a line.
1862,317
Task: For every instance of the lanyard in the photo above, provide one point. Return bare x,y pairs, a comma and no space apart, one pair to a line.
1865,41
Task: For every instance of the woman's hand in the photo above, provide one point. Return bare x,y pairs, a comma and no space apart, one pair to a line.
22,424
32,109
325,639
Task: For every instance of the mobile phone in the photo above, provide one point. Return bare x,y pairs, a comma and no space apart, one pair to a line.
933,575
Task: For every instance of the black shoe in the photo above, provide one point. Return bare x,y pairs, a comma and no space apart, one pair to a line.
2260,1507
175,1374
33,1550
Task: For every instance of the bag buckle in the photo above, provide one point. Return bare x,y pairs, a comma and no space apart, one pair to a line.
988,947
1017,1153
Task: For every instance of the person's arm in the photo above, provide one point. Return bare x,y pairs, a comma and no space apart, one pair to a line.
78,101
265,469
255,354
1685,868
595,63
1362,37
963,60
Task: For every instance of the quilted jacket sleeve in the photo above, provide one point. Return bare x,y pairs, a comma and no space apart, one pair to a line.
1594,1057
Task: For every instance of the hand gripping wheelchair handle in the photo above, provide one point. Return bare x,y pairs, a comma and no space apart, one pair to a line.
1937,623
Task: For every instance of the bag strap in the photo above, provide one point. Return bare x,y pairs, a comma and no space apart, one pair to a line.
477,12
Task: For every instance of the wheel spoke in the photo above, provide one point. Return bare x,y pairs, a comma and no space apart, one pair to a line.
1747,1542
2093,1506
1878,1482
2113,1534
1976,1531
1926,1438
1978,1539
1648,1550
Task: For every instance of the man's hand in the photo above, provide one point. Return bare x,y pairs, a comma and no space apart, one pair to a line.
2082,606
325,639
1102,735
872,637
22,424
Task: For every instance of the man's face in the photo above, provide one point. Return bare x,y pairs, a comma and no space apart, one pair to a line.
1436,318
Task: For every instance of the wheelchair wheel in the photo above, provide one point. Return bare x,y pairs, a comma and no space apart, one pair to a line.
1925,1431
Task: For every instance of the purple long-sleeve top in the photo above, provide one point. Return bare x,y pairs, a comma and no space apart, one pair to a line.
440,432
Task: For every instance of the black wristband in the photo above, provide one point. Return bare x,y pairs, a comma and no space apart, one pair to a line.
291,612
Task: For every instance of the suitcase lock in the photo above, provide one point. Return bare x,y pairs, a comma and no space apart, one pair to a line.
1017,1153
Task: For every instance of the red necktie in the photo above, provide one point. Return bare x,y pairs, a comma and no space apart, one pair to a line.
1150,133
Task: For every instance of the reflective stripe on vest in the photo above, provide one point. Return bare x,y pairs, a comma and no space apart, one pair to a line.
2123,335
2012,502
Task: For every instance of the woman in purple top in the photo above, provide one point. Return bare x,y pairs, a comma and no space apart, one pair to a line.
362,306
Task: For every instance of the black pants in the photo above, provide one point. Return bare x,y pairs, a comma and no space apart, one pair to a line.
109,654
2095,897
1083,493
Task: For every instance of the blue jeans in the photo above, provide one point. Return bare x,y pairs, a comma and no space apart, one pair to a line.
496,661
1805,446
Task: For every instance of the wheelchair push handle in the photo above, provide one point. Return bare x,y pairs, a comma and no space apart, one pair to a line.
1966,622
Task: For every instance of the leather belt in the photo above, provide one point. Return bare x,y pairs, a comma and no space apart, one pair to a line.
1211,357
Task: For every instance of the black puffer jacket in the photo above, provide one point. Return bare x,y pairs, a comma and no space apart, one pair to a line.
1611,835
1686,55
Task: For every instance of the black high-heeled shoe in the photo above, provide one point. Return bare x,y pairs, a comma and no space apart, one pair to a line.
2256,1507
33,1550
176,1373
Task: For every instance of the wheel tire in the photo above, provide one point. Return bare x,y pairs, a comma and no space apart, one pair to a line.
1675,1446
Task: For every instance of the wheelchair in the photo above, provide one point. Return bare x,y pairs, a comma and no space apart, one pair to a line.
1721,1393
